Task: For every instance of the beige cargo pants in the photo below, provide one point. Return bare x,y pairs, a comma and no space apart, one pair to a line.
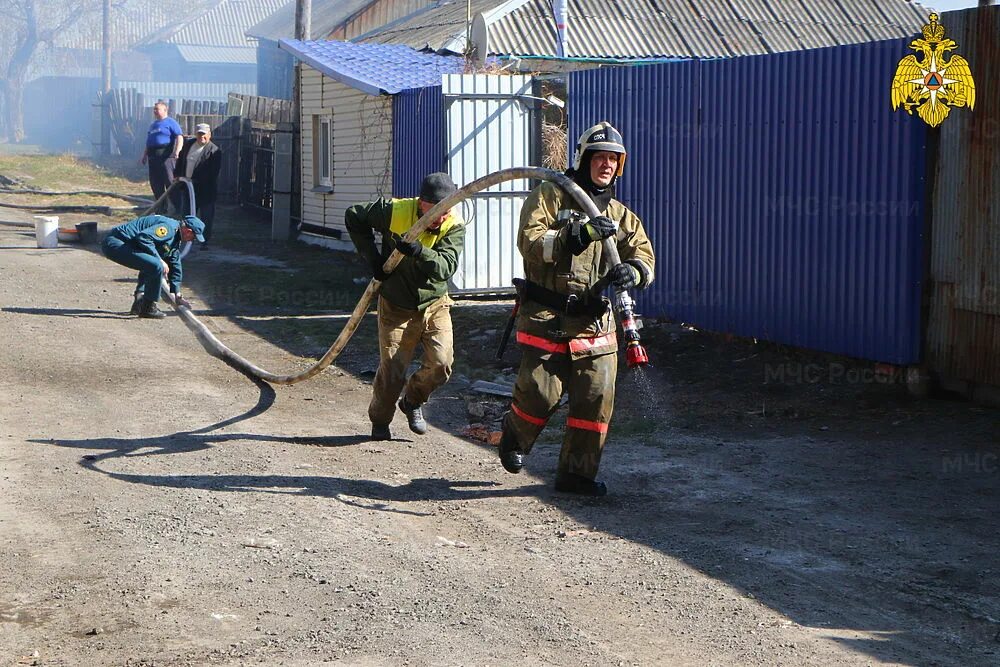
590,383
399,332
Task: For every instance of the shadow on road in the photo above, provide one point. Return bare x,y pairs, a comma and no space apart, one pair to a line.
70,312
343,489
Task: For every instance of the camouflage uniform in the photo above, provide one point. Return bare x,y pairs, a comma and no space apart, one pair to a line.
572,352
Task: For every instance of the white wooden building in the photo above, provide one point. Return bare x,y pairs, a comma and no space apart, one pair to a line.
346,125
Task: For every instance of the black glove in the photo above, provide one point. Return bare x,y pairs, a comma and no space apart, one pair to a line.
625,276
582,234
598,229
377,271
409,248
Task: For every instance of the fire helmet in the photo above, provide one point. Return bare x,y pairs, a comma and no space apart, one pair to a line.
600,137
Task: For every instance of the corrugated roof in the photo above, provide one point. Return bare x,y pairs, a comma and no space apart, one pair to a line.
660,28
326,15
232,55
431,27
374,68
181,90
131,20
222,24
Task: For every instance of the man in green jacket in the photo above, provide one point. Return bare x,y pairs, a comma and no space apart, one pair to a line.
413,304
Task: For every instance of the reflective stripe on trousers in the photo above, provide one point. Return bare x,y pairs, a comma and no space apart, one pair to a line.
590,383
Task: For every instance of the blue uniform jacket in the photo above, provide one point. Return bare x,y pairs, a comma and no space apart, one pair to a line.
155,235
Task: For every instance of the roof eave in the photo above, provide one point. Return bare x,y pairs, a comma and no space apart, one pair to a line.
289,46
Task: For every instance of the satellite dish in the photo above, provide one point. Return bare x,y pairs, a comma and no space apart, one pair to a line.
480,39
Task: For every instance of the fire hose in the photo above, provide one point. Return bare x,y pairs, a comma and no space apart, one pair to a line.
635,353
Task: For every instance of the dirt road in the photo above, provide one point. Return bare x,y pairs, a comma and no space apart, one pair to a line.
159,508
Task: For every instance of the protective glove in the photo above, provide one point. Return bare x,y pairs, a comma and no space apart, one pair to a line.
410,248
582,234
597,229
377,271
624,277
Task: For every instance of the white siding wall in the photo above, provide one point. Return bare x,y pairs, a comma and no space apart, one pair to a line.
311,95
362,153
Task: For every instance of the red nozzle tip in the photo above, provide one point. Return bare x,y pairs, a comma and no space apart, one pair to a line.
635,355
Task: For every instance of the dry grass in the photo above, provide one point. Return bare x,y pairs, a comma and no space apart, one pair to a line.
555,146
68,173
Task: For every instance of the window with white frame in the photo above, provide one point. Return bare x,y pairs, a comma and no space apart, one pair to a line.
322,151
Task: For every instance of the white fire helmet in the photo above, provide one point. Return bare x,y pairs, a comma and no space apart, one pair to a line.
601,137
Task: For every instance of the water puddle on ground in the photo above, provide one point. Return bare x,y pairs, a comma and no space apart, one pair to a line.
13,614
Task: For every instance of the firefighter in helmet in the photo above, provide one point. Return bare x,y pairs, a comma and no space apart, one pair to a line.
567,334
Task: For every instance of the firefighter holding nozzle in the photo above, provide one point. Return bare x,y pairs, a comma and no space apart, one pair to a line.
567,334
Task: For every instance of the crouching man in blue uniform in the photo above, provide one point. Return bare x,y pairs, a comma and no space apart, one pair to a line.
152,245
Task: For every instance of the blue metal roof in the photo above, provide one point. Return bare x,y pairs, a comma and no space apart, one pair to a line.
375,69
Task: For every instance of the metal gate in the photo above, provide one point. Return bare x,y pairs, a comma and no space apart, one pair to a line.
489,127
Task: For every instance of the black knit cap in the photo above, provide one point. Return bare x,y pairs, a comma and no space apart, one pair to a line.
437,186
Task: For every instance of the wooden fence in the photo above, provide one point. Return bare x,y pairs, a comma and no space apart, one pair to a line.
260,109
243,128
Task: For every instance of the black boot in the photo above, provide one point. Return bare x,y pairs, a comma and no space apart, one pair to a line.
511,456
381,432
136,304
150,310
568,482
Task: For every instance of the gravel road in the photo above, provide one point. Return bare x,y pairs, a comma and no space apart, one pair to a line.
162,509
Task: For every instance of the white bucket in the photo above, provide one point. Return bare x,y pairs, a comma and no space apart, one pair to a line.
47,231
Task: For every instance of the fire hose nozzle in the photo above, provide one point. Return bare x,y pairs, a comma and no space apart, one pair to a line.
635,355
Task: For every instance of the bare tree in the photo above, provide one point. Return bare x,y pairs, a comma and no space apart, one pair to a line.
30,23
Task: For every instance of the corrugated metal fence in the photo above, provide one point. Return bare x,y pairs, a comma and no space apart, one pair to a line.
963,328
783,196
418,138
470,127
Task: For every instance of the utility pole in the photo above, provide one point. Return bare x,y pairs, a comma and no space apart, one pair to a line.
303,19
106,81
303,28
286,181
468,30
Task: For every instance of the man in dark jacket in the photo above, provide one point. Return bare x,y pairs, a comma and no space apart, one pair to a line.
413,304
152,245
200,161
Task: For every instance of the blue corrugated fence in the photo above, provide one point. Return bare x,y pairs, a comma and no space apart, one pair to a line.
784,197
418,138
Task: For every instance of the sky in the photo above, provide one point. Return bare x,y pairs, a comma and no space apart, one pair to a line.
948,5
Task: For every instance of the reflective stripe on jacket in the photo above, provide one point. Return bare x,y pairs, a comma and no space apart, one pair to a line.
417,282
543,241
